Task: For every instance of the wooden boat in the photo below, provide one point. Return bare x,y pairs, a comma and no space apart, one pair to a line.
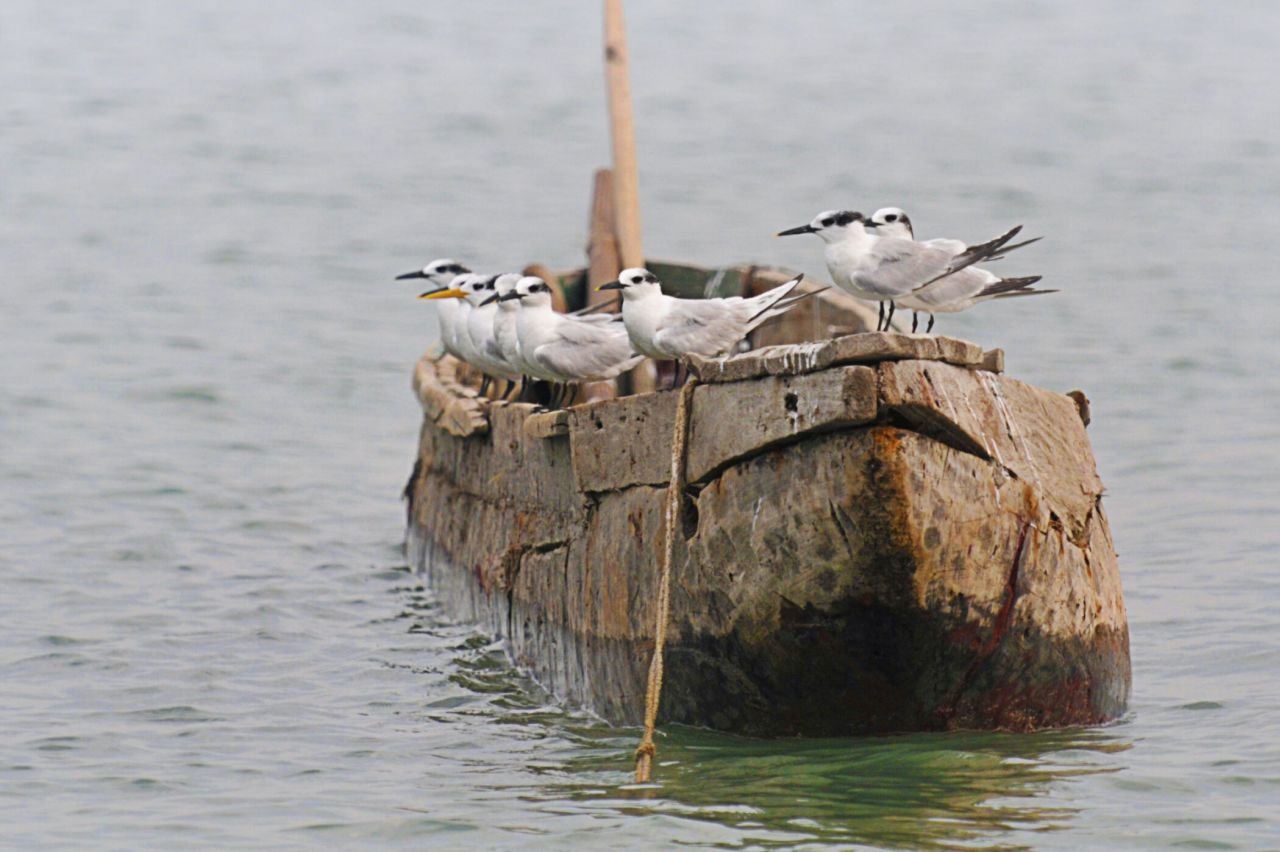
882,533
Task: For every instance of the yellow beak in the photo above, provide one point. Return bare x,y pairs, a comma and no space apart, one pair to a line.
454,293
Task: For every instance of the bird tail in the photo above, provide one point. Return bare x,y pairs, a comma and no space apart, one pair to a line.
1004,250
1007,287
774,302
980,252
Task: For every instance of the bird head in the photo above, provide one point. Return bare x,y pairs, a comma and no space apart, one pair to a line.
831,225
891,222
634,283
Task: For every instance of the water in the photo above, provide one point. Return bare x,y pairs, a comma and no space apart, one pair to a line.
209,635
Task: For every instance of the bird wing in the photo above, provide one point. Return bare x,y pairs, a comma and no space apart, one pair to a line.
944,244
706,327
953,289
979,252
897,266
585,350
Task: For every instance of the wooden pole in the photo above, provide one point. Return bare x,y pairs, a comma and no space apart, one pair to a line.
626,179
603,263
602,266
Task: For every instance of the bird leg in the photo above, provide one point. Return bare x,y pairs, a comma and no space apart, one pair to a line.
880,321
511,385
930,328
484,384
889,319
915,321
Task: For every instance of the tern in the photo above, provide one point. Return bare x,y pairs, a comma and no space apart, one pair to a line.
457,341
484,310
956,292
443,273
467,291
884,269
504,325
556,347
504,321
666,327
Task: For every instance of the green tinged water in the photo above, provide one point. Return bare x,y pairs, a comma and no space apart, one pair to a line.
210,638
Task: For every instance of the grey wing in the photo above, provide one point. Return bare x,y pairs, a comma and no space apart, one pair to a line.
597,318
943,244
953,289
493,350
586,350
705,328
899,266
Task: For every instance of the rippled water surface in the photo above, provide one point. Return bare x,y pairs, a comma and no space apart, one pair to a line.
210,637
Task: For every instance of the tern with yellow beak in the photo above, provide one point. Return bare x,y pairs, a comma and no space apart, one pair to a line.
453,316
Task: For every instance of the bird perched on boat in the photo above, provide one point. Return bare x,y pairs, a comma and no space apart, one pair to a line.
504,322
666,327
566,349
453,318
959,291
444,273
883,269
468,291
489,357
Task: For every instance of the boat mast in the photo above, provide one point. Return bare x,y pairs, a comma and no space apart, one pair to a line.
626,178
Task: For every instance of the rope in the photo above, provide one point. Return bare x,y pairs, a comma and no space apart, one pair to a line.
646,751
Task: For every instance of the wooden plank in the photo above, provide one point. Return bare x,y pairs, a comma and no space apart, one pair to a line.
774,410
548,424
626,178
447,404
866,348
622,442
992,361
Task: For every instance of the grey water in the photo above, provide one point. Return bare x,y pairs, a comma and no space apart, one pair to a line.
209,636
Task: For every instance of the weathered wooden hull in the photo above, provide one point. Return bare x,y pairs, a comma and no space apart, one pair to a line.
880,535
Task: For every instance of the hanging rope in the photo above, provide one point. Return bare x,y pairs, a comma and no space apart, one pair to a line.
675,502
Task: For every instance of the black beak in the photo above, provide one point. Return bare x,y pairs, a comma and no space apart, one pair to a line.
612,285
418,274
802,229
507,298
489,301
